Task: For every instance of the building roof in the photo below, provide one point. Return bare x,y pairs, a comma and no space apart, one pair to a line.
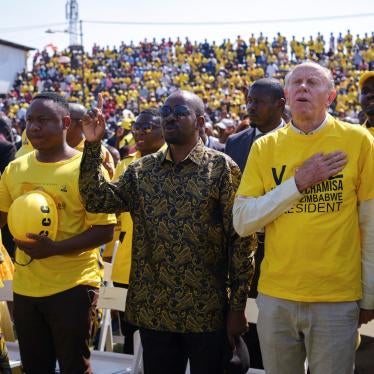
15,45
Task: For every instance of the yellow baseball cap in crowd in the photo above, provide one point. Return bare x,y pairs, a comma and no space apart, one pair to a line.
34,212
364,77
126,124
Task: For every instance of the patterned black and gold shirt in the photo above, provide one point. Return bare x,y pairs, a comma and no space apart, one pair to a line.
183,235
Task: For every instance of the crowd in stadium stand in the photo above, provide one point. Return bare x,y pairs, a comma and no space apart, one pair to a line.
134,77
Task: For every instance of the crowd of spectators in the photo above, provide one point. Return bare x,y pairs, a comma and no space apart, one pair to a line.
134,77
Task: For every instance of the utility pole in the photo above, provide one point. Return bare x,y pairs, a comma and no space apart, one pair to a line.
72,16
71,10
82,62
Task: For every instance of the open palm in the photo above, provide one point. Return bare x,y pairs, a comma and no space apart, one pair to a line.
93,122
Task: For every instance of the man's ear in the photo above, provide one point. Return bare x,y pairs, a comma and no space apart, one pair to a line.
282,103
331,97
200,122
66,121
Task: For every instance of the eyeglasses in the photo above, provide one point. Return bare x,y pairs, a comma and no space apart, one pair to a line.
177,111
145,127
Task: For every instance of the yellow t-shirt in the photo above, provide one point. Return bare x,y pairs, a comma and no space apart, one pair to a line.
313,251
26,146
122,261
60,180
108,161
370,129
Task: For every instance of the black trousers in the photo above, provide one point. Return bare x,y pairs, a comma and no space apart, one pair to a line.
251,336
127,328
56,326
168,352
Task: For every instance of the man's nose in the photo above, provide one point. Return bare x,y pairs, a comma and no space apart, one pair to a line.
303,85
250,107
33,125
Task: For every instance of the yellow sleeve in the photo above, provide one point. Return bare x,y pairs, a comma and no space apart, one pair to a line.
365,187
5,197
100,219
121,167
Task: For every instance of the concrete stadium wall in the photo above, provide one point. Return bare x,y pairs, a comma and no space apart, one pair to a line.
12,61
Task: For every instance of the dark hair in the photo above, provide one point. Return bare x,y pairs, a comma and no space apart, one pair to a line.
77,111
154,112
6,128
273,87
53,96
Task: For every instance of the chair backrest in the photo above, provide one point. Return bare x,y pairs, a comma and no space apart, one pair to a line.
112,298
108,267
251,310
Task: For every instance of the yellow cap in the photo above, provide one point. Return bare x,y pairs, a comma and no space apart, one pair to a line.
126,124
34,212
364,77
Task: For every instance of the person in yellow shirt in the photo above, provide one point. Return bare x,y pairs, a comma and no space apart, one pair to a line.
300,51
26,146
310,185
366,85
56,281
148,139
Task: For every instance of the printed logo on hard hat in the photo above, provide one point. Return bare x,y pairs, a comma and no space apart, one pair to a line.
33,212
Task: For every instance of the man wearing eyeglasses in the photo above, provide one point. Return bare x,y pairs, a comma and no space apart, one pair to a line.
149,138
186,254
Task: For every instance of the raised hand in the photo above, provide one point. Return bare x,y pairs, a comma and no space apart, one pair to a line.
93,123
318,168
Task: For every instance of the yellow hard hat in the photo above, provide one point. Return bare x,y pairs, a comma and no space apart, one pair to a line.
33,212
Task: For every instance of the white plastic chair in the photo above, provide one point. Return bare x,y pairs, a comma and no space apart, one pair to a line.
114,298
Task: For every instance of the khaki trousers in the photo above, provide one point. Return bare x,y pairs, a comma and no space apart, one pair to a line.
323,333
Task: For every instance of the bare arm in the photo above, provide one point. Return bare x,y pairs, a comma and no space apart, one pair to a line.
42,247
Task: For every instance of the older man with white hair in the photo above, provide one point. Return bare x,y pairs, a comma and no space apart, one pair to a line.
310,185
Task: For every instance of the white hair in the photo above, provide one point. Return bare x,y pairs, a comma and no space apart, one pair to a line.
326,72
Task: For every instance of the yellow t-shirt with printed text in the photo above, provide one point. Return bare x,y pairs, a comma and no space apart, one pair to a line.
60,180
313,251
